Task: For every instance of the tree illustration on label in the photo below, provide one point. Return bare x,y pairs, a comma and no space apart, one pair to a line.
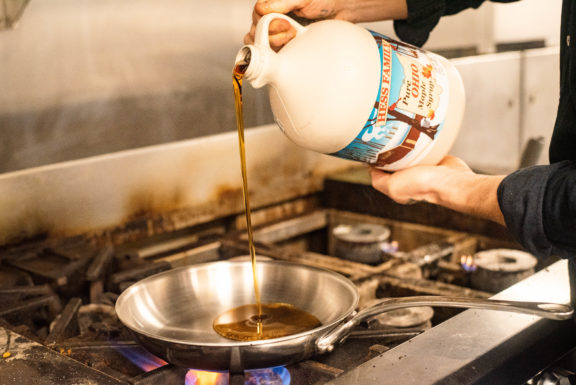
402,48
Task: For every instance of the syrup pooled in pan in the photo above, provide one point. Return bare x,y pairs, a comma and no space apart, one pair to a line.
277,320
257,321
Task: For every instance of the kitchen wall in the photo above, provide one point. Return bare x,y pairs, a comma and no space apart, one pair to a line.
483,29
86,77
527,20
510,98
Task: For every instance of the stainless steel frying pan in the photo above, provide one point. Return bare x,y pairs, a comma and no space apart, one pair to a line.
171,313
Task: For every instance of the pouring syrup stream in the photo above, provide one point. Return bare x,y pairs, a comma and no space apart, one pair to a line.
238,74
257,321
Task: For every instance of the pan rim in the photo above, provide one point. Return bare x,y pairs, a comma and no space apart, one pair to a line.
322,329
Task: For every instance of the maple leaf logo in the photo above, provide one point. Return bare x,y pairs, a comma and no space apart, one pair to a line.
427,71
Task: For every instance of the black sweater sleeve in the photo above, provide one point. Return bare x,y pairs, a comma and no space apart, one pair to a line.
560,209
423,15
539,207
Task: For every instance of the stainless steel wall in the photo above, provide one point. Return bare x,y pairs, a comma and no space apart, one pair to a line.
510,98
86,77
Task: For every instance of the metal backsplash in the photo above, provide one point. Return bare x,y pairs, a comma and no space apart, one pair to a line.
87,77
511,98
173,185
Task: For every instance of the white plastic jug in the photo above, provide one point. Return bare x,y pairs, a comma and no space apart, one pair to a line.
340,89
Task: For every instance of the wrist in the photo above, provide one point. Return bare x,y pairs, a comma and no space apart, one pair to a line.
470,193
372,10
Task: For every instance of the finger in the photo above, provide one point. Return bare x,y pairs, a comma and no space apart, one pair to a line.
454,162
278,40
276,26
280,31
379,179
264,7
249,38
448,159
393,186
279,26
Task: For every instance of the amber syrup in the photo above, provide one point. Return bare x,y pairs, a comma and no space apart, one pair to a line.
238,75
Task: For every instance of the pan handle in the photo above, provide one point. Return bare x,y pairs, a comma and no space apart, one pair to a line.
552,311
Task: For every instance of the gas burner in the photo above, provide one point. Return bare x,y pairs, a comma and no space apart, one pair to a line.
404,318
361,242
498,269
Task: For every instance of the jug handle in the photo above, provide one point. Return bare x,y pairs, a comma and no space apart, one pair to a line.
261,35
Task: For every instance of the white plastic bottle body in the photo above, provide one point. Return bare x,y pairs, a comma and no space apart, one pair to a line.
342,90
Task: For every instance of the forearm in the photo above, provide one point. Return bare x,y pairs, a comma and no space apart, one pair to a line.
372,10
351,10
451,184
469,193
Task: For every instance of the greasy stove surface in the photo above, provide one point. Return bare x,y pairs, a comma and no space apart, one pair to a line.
57,319
26,361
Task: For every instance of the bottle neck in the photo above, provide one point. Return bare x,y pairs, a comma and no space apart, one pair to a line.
257,62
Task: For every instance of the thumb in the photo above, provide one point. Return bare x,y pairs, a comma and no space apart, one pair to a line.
264,7
454,163
379,178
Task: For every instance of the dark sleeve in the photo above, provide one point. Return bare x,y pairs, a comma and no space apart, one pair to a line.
423,15
539,207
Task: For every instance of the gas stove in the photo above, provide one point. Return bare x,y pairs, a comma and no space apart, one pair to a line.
76,235
57,296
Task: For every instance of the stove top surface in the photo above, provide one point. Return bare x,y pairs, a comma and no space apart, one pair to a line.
57,299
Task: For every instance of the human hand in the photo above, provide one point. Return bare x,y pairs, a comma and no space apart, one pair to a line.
281,32
451,184
418,183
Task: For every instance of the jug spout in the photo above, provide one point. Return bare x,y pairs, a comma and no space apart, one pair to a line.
256,63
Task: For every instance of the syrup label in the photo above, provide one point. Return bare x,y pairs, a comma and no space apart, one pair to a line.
409,109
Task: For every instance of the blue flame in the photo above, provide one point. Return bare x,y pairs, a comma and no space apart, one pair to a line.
200,377
270,376
142,358
147,361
